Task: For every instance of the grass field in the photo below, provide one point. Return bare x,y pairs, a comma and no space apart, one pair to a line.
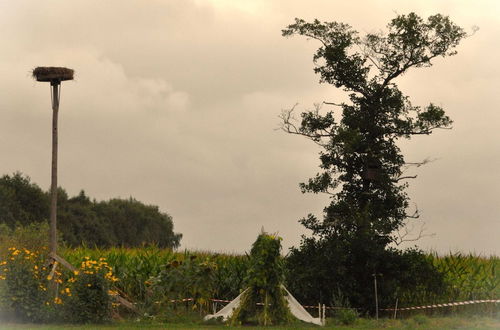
416,322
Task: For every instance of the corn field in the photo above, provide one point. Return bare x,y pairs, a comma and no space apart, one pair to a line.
467,276
135,267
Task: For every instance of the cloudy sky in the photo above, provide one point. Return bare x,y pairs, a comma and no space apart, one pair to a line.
176,103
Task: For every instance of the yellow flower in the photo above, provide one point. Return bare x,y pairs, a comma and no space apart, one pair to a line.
57,300
49,278
76,272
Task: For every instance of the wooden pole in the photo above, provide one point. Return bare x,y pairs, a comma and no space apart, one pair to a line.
376,295
55,88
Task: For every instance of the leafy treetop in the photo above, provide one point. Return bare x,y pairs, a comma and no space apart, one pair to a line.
362,166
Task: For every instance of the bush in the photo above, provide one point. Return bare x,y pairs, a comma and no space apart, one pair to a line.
321,267
25,290
33,237
29,285
346,316
89,292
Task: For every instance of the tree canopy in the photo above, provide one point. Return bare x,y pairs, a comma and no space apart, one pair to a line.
362,167
116,222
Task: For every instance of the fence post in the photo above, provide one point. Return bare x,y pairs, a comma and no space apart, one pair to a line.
324,314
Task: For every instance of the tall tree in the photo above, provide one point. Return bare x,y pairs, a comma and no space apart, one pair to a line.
362,166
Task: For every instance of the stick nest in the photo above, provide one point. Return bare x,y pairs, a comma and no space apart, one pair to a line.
52,74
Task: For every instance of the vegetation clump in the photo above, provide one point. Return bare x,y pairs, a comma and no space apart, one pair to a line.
264,301
84,221
90,291
25,288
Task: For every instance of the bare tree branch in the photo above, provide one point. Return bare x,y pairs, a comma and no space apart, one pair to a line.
404,235
418,164
404,178
288,125
331,103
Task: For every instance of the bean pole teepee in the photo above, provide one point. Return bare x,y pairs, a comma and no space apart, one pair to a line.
56,75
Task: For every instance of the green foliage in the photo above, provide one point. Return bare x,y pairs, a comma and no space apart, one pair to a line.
264,280
360,155
230,275
21,202
361,163
468,276
25,285
33,236
22,289
186,278
346,316
321,268
136,266
317,272
88,295
125,222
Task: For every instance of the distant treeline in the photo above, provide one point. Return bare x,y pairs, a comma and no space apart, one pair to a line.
85,221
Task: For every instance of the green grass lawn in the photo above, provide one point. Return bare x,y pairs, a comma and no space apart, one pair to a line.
415,322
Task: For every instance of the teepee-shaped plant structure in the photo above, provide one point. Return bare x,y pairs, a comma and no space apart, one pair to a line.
264,300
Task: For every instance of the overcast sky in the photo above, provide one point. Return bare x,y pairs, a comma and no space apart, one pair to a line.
176,103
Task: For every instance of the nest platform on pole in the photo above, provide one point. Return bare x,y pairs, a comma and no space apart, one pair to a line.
52,73
55,75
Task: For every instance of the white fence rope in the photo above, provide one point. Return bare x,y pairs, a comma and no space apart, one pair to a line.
458,303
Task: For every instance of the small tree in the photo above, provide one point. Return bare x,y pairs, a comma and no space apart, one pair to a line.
362,166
